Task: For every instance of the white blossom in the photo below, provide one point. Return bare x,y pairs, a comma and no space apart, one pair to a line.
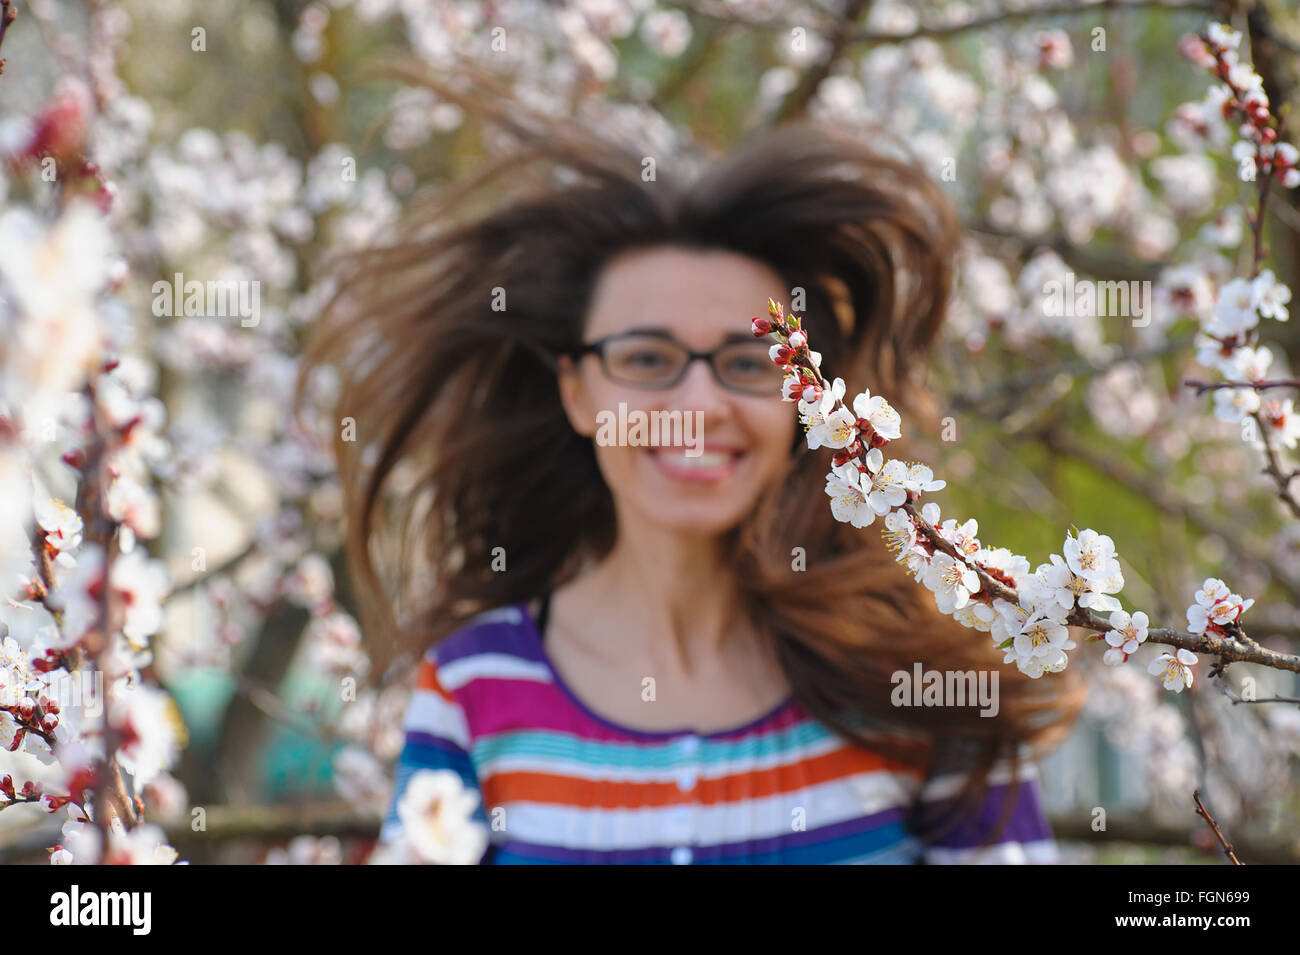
1127,632
1091,556
1173,669
436,811
952,582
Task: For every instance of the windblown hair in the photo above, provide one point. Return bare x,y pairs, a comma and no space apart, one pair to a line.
462,445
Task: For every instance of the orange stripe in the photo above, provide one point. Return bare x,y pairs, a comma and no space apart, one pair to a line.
426,678
848,760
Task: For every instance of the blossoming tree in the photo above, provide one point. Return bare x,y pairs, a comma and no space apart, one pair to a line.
163,515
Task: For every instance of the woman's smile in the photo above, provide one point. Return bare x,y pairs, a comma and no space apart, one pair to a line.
707,467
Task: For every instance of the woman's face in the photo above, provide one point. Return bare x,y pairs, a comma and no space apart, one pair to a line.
704,475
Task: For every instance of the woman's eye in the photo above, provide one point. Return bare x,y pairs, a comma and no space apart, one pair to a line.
749,365
645,359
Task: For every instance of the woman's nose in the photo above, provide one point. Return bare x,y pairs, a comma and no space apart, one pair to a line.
699,390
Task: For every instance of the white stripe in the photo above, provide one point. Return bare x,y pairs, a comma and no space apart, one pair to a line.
430,713
609,829
1042,852
947,785
502,666
509,614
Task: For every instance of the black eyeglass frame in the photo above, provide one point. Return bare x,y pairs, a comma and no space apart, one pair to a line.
599,345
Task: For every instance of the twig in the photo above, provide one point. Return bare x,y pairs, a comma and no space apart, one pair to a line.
1201,810
1268,699
1016,385
1030,13
8,14
1158,493
226,566
717,11
1273,468
1203,386
1080,258
797,102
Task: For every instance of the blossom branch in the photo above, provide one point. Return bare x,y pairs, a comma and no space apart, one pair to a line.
1273,468
1158,493
992,590
1228,339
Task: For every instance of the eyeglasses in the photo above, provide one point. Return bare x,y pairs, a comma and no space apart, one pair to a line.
656,360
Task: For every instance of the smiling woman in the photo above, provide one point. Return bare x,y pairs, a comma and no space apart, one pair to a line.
629,652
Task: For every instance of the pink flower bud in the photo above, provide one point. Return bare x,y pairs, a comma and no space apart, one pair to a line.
761,327
49,721
781,354
60,128
791,388
798,340
812,394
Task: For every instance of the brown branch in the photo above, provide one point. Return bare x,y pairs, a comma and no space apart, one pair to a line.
716,11
8,14
1079,258
1268,699
110,789
1202,811
226,566
1015,386
1273,468
1030,13
688,66
1157,492
797,101
1203,386
1076,827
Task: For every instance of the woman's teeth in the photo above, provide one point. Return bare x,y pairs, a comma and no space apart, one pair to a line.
705,459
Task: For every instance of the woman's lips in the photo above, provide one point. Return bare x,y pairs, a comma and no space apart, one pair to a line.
706,467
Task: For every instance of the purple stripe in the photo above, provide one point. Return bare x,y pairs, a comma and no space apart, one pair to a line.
435,742
497,636
1026,824
826,835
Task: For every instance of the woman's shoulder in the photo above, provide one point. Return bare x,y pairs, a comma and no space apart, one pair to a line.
496,642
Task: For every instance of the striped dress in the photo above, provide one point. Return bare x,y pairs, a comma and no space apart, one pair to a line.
559,784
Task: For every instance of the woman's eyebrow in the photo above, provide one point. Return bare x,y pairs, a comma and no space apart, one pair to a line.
739,336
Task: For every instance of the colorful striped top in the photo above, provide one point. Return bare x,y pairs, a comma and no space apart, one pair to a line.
564,785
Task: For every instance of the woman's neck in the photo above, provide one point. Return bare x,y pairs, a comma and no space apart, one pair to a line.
663,596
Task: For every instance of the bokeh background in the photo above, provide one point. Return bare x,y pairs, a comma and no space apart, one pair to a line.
246,140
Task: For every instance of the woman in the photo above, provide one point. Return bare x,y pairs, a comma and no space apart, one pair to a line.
668,653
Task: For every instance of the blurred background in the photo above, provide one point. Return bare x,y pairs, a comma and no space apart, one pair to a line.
244,140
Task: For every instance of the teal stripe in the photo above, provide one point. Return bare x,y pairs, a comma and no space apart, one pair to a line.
549,745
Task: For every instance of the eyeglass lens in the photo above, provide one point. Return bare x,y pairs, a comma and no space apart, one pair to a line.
656,362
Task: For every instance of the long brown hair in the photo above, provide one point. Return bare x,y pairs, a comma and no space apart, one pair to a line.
461,445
